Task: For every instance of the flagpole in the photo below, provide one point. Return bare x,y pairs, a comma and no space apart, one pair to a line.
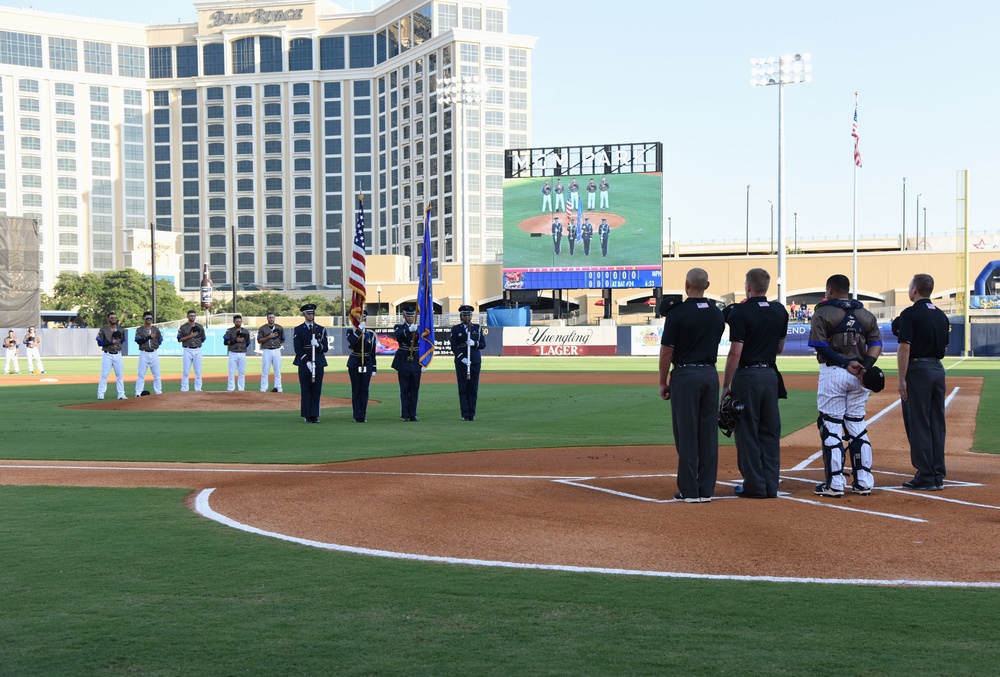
854,251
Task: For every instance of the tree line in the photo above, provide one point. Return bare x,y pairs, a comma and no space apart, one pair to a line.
128,293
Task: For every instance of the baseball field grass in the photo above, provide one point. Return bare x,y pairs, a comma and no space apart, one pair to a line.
98,581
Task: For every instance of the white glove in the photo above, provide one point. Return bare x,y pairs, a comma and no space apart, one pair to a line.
361,326
423,369
310,366
373,374
470,343
314,342
413,327
466,361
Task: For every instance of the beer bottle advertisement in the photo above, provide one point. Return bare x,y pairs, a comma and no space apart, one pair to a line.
206,289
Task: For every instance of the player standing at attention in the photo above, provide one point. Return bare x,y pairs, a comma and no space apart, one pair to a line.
847,342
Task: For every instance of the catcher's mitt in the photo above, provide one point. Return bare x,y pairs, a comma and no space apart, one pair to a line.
873,379
729,415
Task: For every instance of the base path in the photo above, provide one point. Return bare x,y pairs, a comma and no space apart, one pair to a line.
611,509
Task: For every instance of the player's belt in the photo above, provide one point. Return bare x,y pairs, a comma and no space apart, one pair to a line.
693,364
925,359
148,350
756,365
112,352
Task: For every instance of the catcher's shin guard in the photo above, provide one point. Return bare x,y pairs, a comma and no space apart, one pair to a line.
860,449
830,429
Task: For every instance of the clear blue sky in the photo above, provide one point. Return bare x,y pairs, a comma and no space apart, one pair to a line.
679,72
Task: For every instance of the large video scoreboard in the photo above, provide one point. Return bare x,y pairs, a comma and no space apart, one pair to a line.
583,217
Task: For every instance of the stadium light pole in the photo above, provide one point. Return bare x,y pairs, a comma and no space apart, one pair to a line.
916,228
748,220
925,228
789,69
772,226
455,91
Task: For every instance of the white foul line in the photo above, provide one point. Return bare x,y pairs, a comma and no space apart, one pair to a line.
203,508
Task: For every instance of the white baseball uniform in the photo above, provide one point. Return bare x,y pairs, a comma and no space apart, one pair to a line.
149,359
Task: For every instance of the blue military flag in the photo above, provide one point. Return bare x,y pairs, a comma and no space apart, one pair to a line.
425,298
579,219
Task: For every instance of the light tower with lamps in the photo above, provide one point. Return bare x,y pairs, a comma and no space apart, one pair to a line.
455,91
789,69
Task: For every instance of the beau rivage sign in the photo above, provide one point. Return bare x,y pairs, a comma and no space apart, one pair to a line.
221,19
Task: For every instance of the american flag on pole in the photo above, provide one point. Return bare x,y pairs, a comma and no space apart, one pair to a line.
569,207
356,281
857,139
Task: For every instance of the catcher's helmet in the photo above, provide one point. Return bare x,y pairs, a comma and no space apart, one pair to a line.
874,379
729,415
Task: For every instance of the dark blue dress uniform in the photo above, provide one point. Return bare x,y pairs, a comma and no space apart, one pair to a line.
925,328
604,232
406,362
556,235
759,325
467,375
693,329
360,367
302,342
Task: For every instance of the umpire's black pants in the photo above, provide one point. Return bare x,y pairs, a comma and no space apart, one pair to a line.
923,420
758,434
694,410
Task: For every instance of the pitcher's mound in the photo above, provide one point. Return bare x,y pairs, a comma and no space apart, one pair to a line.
543,222
210,401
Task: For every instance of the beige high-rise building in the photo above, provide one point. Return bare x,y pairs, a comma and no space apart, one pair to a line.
264,121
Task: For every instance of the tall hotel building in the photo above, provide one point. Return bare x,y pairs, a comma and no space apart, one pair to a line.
263,119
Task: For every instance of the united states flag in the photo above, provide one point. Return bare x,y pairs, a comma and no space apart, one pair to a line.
569,207
857,139
356,281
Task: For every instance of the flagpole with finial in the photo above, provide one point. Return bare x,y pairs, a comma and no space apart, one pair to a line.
857,163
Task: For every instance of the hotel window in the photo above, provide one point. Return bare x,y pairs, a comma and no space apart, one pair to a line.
469,53
215,131
65,108
362,51
300,54
519,122
494,20
20,49
494,118
62,54
422,26
244,204
272,184
272,91
30,106
331,54
300,108
244,110
215,167
244,56
65,89
189,97
131,61
301,127
244,129
447,16
270,54
64,164
187,61
519,100
31,143
65,146
242,92
472,18
494,76
494,97
161,62
31,181
244,166
519,58
215,93
519,79
214,58
272,128
272,109
244,148
493,54
31,125
97,57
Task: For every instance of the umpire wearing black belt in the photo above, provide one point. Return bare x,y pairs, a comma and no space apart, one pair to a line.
757,329
691,333
922,330
406,362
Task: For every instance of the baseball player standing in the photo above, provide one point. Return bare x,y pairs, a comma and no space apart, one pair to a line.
604,187
560,196
236,339
923,336
10,349
757,330
591,194
149,339
847,342
109,337
32,342
270,338
191,335
546,197
691,334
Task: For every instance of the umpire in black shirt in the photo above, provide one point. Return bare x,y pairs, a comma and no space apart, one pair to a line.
757,329
691,333
922,330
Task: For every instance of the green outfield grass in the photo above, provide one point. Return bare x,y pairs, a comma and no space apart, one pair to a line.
129,581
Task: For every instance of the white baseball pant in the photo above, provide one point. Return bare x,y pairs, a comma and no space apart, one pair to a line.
191,358
34,356
237,371
151,361
11,357
840,395
111,361
270,358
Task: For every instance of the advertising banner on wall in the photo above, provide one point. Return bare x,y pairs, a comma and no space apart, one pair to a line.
646,340
570,341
